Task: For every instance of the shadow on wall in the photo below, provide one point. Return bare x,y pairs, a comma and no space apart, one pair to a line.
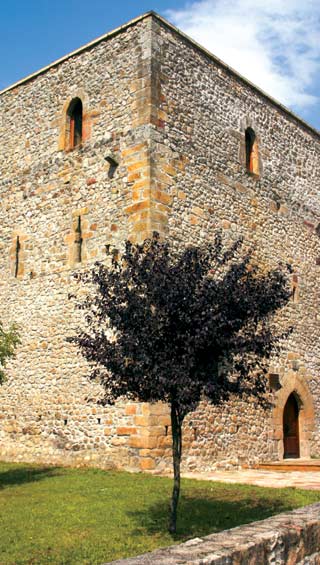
13,477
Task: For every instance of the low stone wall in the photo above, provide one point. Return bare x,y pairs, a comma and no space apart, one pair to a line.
292,538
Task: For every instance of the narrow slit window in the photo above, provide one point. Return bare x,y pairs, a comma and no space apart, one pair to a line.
295,289
75,114
17,257
252,158
78,242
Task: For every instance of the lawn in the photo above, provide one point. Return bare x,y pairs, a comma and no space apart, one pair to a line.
89,516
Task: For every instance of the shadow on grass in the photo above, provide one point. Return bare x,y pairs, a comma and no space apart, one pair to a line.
22,475
200,517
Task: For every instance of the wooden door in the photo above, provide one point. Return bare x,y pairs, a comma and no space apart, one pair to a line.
291,428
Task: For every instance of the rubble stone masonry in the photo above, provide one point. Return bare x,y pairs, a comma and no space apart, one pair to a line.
171,119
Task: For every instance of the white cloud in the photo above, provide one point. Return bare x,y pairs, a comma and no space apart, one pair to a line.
273,43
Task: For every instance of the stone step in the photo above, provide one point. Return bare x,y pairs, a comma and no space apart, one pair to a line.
304,465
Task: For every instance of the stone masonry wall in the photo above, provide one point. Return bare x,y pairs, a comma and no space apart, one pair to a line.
174,121
199,154
49,409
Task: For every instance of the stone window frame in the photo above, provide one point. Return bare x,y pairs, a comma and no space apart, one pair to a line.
248,124
64,143
252,152
74,123
72,237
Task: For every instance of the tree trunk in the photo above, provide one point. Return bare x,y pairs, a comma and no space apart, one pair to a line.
176,455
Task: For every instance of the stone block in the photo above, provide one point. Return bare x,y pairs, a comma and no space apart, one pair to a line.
142,421
144,442
130,409
147,464
126,430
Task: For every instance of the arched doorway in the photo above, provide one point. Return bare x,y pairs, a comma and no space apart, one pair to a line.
296,384
291,444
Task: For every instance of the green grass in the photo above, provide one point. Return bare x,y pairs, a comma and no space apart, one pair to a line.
88,516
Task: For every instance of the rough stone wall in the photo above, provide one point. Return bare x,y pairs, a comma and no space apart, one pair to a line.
205,111
49,410
174,121
286,539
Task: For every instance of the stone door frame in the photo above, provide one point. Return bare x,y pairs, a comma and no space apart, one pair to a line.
293,383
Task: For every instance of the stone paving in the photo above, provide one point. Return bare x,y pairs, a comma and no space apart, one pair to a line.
277,479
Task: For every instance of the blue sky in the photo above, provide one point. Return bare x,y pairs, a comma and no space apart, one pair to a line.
274,43
36,32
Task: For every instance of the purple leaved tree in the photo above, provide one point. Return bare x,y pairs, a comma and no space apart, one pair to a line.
174,326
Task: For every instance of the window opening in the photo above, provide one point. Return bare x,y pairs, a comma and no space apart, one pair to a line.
18,248
75,114
295,290
252,163
113,166
274,381
78,242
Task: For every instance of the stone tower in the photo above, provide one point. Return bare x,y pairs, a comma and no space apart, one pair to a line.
144,130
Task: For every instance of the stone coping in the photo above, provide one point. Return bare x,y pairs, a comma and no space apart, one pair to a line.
290,538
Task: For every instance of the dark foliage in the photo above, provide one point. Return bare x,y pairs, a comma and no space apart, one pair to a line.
169,326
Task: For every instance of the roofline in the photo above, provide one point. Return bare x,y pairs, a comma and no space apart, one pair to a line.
237,74
180,33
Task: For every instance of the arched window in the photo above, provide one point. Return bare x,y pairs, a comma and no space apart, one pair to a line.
252,157
75,123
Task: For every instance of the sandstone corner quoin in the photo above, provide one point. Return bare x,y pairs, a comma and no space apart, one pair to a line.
171,140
